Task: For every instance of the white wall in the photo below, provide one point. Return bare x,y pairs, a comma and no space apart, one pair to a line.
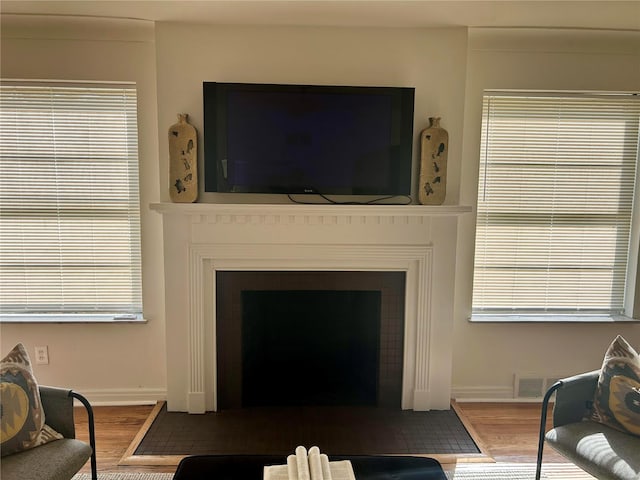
432,61
128,361
108,362
487,355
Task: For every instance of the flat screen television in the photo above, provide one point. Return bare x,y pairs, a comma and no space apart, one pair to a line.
331,140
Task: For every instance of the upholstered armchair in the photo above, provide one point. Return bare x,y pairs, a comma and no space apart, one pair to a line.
600,450
59,459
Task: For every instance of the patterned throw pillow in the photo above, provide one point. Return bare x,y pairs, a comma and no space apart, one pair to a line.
617,400
21,415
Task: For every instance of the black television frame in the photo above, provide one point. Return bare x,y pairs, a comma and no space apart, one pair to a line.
215,148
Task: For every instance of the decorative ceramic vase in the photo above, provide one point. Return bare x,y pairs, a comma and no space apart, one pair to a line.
183,161
433,163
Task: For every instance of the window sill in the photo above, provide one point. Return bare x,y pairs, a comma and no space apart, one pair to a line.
71,318
506,318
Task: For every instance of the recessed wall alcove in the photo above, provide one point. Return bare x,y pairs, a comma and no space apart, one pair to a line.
201,240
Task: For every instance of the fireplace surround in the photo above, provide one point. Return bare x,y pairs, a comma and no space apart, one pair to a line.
309,338
203,239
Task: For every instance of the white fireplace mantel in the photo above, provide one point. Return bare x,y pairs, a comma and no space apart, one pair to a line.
201,239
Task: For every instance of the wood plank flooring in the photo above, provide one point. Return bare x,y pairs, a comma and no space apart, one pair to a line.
508,433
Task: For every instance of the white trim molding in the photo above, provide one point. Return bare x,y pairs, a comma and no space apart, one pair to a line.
119,396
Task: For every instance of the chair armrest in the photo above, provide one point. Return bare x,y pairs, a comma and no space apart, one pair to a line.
57,404
574,398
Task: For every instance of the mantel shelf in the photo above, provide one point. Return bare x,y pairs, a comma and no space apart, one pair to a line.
306,210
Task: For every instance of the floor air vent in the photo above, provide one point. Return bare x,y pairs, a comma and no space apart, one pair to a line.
531,386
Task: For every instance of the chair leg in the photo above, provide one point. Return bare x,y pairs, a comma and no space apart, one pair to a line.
92,433
543,425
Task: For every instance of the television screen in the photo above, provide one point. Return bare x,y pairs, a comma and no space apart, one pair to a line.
307,139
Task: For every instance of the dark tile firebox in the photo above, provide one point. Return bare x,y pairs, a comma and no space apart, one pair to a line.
309,338
325,341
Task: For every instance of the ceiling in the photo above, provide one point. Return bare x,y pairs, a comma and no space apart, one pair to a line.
594,14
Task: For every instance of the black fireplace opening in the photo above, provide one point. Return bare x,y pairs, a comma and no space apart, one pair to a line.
310,347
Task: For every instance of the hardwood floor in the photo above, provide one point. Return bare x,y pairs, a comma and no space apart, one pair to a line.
507,432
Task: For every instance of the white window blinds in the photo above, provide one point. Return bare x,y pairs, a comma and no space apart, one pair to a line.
69,202
555,198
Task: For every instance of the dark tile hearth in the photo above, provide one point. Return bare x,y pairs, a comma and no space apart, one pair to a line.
336,430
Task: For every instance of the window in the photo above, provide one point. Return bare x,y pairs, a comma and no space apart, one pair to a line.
555,205
69,202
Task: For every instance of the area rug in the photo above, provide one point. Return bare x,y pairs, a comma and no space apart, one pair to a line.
493,472
169,436
463,472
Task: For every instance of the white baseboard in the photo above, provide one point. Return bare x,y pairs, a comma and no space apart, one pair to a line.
119,396
150,396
